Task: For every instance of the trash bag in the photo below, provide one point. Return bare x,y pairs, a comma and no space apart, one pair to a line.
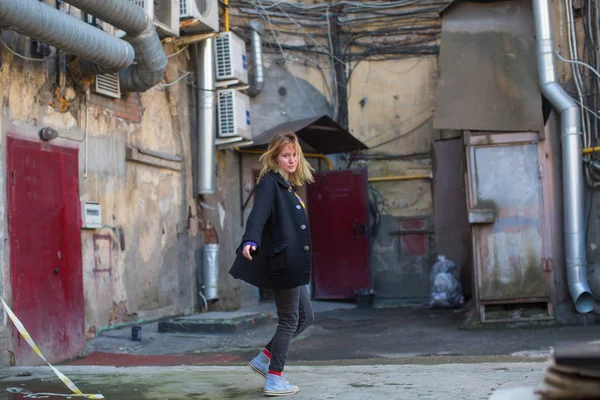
446,290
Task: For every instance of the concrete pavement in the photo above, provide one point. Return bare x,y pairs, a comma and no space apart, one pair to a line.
468,381
403,353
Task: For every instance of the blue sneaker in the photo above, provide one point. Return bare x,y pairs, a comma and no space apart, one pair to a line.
279,386
260,364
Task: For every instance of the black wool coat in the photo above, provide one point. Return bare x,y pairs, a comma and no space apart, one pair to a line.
278,224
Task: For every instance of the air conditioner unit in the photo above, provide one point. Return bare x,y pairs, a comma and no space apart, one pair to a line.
107,85
164,14
199,15
231,58
234,114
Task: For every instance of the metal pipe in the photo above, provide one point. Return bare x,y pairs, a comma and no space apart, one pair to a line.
590,150
151,65
306,155
226,2
210,271
400,177
207,115
131,18
123,14
257,79
42,22
576,265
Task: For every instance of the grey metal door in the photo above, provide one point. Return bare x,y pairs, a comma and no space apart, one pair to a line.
506,210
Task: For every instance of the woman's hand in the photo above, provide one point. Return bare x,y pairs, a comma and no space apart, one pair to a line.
247,249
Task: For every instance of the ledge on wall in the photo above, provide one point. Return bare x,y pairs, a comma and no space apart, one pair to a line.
231,84
153,158
230,142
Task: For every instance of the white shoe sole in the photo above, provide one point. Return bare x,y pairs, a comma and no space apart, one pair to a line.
286,393
258,371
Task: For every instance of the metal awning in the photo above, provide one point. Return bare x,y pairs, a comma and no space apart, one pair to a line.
317,135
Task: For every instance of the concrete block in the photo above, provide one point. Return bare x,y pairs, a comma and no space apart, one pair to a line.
215,323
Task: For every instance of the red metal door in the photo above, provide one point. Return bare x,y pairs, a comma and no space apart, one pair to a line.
45,244
339,216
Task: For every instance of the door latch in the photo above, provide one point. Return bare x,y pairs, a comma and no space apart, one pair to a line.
358,229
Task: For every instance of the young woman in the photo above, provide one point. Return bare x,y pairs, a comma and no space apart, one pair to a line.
276,253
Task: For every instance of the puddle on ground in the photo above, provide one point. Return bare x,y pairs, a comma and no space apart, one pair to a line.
51,390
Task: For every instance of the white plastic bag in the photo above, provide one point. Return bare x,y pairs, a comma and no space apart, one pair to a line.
446,290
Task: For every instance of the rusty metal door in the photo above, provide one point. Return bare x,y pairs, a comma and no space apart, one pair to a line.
506,213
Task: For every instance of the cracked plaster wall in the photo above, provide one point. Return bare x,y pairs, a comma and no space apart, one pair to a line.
153,275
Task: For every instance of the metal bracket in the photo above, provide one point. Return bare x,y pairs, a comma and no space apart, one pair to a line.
482,216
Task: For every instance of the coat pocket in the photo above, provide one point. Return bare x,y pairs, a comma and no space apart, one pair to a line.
276,263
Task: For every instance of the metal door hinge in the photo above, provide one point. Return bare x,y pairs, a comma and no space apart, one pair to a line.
541,170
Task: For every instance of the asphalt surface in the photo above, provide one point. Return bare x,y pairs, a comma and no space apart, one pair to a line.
353,334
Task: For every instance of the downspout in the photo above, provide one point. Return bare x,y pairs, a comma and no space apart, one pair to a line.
576,264
42,22
257,79
207,115
141,34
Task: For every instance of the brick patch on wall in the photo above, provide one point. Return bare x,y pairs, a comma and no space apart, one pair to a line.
128,107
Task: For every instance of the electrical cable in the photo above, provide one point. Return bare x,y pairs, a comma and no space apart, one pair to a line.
332,63
259,2
578,63
177,52
396,30
24,57
164,85
572,39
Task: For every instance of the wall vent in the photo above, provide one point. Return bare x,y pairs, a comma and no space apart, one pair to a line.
108,85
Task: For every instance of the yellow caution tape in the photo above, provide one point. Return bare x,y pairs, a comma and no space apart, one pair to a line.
31,343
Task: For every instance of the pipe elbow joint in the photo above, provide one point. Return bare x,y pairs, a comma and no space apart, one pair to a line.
152,62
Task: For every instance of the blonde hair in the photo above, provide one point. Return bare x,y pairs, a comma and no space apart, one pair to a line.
303,173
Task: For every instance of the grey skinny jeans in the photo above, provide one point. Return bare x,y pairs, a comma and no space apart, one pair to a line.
295,314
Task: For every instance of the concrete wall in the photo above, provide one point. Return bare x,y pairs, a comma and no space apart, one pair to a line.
292,91
153,275
390,109
391,106
396,119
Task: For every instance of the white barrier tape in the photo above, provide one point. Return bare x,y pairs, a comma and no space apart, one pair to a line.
31,343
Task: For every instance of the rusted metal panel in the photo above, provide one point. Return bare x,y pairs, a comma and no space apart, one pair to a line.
451,225
509,260
488,70
413,241
490,138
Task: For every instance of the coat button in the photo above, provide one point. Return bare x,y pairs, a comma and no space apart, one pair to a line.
303,227
306,248
298,206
